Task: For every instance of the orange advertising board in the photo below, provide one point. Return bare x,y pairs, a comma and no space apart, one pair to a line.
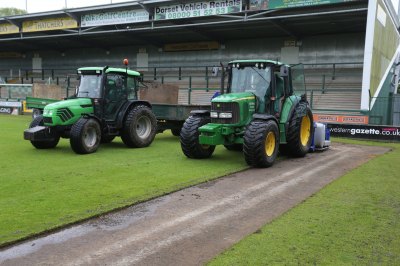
342,119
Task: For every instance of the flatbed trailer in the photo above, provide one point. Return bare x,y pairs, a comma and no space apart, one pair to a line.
37,104
172,116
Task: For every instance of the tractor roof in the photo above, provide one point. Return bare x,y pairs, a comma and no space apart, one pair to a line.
257,61
110,69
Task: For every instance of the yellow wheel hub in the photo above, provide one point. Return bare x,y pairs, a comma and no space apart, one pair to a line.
270,144
305,130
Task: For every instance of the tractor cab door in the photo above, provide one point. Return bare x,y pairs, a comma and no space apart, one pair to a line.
115,95
287,80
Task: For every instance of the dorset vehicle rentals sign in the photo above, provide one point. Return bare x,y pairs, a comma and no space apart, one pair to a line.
197,9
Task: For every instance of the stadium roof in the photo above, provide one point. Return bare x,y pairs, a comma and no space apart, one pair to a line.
297,22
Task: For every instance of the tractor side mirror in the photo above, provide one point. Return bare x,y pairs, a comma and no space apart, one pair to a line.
284,71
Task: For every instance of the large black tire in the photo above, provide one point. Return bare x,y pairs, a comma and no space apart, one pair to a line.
261,143
299,135
85,136
47,144
234,147
190,138
176,132
140,127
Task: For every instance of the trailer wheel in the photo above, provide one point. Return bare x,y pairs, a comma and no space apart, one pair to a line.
299,136
47,144
140,127
190,138
85,136
36,112
234,147
261,143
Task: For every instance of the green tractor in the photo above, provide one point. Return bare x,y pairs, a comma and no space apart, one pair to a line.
105,105
259,114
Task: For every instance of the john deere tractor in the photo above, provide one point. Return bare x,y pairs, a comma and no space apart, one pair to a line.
259,114
105,106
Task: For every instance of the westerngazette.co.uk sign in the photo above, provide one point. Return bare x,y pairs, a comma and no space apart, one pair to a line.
197,9
111,18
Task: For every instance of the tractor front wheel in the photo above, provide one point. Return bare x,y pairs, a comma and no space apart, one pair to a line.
85,136
261,143
190,139
140,127
299,136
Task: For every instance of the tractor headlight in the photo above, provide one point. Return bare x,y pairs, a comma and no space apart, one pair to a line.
225,115
47,112
213,114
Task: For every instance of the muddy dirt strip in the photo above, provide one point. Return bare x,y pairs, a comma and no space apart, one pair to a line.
193,225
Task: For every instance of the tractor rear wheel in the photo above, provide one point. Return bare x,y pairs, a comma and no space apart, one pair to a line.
299,136
190,138
45,144
261,143
85,136
140,127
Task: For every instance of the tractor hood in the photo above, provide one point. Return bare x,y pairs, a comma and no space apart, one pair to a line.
69,103
65,113
234,97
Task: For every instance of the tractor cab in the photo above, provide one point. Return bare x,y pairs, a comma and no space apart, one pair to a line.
109,89
268,80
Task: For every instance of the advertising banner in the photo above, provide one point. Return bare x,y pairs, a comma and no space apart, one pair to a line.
197,46
365,132
344,119
10,55
11,108
273,4
300,3
197,9
111,18
49,24
7,28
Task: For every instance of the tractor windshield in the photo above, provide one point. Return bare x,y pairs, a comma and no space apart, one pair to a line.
89,86
251,79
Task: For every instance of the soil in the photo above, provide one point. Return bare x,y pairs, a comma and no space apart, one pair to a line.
193,225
